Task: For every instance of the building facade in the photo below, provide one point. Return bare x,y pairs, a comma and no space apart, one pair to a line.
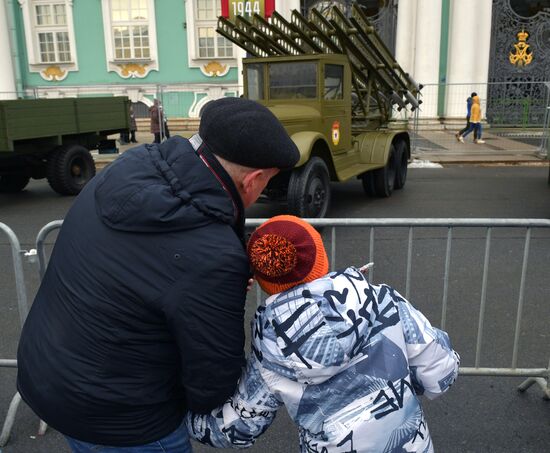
137,48
169,48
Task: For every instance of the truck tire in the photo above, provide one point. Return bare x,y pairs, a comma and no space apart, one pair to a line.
384,178
13,183
309,190
367,179
69,169
402,160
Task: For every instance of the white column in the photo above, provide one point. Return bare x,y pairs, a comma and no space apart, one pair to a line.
405,36
481,75
427,45
285,7
468,58
404,43
7,78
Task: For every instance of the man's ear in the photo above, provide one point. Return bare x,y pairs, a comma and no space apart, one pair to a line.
251,178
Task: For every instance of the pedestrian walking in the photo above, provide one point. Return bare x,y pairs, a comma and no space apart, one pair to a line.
347,359
469,103
156,121
133,126
165,130
139,317
475,123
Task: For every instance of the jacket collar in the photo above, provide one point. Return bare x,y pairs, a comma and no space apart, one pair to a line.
213,164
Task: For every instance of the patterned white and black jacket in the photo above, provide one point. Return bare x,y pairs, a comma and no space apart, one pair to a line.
348,359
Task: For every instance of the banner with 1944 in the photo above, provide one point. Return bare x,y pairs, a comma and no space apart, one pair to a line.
247,8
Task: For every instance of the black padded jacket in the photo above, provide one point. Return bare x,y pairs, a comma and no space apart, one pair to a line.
140,314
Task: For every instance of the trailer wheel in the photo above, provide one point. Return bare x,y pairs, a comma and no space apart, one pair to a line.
69,169
384,178
13,183
402,160
309,190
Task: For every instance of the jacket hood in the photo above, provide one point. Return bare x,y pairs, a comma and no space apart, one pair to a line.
313,331
475,99
161,188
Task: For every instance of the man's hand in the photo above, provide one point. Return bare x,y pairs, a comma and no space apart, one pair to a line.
364,269
250,283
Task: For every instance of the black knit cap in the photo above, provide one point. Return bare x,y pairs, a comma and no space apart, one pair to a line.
247,133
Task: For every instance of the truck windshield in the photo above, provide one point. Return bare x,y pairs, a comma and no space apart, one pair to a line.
255,81
293,80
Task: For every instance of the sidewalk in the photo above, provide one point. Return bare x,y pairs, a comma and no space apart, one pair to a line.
439,147
442,147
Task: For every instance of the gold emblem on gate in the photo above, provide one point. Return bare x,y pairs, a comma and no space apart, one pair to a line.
522,56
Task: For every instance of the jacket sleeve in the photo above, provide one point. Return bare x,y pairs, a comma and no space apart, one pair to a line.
433,363
205,314
242,419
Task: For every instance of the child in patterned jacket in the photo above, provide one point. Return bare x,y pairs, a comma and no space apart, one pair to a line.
347,359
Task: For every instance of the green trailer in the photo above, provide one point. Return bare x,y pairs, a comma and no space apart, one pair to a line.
52,138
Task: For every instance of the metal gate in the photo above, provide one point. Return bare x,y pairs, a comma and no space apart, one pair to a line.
517,99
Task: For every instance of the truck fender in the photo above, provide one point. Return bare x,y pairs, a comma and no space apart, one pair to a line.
304,142
374,147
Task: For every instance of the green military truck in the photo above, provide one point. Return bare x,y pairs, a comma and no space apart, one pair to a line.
52,138
334,86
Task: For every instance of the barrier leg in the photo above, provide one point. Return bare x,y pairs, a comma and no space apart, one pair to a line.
42,428
10,418
540,381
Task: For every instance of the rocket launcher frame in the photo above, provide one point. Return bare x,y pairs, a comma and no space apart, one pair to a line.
378,81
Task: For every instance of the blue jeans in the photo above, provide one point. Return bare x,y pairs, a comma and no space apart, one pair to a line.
176,442
476,127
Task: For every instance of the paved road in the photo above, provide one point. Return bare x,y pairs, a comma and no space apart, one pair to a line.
479,414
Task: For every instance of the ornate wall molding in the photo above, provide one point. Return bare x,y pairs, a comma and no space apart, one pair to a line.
203,97
215,69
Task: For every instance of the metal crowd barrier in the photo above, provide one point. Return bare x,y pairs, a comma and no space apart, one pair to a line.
540,376
23,310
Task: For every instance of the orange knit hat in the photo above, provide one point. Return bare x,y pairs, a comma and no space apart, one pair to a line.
286,251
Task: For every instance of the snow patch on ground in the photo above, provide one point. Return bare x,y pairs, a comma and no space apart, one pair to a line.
416,163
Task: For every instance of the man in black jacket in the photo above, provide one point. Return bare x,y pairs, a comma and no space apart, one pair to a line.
140,314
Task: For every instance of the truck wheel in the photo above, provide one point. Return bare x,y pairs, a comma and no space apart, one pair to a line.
309,190
367,179
402,160
69,169
13,183
384,178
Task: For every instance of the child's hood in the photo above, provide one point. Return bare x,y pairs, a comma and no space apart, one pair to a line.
475,99
313,331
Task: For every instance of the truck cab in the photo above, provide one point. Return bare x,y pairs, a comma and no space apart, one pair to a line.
306,93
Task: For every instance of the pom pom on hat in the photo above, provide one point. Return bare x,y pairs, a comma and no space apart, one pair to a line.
286,251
